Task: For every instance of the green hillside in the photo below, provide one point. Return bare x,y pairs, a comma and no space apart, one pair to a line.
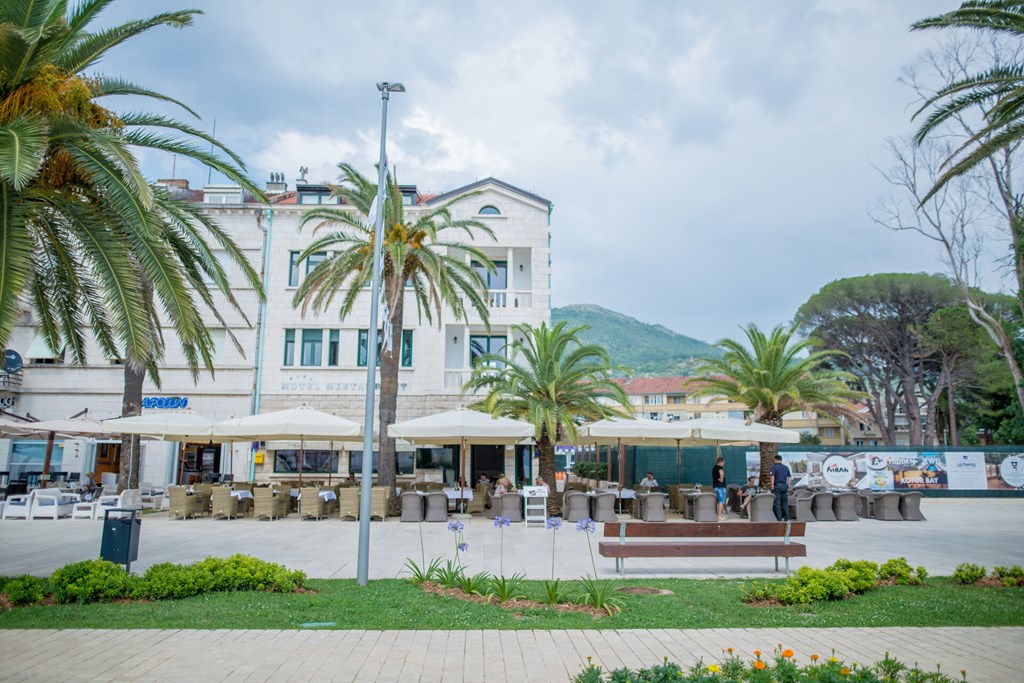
648,350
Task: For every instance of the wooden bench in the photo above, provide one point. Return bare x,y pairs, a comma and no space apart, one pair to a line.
773,540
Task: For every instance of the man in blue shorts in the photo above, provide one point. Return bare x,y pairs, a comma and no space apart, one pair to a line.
718,482
780,487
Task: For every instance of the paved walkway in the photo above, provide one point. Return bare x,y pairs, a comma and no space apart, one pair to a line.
986,531
988,654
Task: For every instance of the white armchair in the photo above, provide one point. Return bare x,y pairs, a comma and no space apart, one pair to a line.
19,506
53,503
129,499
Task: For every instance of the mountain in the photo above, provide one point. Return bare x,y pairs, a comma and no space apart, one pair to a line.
648,350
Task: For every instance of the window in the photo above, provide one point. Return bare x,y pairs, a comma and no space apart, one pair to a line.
40,353
293,269
289,347
676,399
314,260
313,462
403,462
489,211
829,432
654,399
333,347
406,348
496,280
480,345
312,347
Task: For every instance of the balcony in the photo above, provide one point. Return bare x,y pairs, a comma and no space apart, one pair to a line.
454,379
510,298
10,381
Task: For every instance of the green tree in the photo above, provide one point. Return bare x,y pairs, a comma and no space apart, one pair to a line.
86,240
773,378
421,258
998,90
809,439
553,381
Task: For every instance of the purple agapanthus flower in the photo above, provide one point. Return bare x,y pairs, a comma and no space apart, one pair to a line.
463,547
500,521
456,526
554,523
586,525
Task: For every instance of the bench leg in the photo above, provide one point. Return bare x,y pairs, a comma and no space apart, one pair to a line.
787,566
777,563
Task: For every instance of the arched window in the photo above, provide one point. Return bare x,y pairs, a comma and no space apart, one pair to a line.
489,211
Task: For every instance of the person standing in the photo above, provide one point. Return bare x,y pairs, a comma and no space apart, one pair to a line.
718,482
780,476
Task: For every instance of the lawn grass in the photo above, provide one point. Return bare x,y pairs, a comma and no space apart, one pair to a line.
396,604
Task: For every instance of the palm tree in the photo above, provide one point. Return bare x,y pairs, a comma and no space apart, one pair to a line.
998,91
420,258
774,378
84,238
552,380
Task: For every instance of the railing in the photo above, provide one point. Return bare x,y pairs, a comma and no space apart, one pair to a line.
510,298
454,379
10,381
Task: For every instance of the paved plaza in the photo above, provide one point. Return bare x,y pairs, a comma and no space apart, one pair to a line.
990,655
984,531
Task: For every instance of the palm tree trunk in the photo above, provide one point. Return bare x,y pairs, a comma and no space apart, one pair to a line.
546,465
389,364
131,404
768,451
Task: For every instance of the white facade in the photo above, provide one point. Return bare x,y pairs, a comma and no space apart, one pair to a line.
262,379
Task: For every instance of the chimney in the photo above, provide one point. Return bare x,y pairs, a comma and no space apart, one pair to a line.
178,183
277,183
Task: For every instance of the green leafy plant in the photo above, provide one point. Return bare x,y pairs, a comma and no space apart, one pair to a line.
554,593
247,573
899,570
168,581
968,574
807,585
599,594
1010,576
476,585
450,575
757,591
420,575
590,470
24,590
590,674
506,588
93,581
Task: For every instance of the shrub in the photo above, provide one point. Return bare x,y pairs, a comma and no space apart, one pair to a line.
24,590
899,570
810,585
93,581
246,573
1010,576
175,581
860,576
591,470
967,574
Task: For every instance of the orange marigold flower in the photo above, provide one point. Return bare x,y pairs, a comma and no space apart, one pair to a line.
814,658
757,653
759,665
845,671
787,653
729,650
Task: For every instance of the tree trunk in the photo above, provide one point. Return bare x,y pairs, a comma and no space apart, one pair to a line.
546,465
768,451
389,364
131,404
912,410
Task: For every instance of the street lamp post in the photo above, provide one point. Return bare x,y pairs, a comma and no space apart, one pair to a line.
363,563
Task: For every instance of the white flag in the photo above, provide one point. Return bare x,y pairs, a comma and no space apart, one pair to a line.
388,330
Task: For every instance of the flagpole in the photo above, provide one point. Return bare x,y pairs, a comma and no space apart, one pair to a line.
363,559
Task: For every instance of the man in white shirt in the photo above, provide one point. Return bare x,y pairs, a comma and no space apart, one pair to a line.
649,481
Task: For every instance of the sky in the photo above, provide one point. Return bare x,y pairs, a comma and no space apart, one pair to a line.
711,164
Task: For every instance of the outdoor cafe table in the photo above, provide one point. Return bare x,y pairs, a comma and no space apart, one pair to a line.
327,495
621,494
242,495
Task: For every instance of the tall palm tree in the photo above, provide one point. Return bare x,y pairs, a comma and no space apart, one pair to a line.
421,257
775,376
552,380
998,91
84,238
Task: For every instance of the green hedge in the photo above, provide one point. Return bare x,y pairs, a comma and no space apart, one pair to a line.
841,580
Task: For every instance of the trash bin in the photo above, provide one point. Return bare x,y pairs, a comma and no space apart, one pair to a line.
120,542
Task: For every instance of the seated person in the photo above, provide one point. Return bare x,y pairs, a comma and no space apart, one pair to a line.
504,486
541,482
746,493
649,481
484,479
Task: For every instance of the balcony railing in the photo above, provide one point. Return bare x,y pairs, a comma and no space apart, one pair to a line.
454,379
510,298
10,381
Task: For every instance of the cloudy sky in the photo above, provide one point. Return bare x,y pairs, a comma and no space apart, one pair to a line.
711,164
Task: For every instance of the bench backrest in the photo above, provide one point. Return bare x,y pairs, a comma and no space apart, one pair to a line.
701,530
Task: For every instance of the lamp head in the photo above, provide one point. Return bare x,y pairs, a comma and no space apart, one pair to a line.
390,87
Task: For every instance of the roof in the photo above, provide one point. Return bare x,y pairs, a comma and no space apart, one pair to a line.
653,385
290,197
452,194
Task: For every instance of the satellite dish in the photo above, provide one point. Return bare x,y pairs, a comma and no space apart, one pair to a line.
12,361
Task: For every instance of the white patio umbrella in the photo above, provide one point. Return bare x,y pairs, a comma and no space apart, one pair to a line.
468,426
635,432
72,426
294,423
731,429
176,425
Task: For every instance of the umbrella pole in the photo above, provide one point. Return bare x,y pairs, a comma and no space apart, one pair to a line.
330,460
679,474
181,463
302,456
46,461
622,467
462,477
609,472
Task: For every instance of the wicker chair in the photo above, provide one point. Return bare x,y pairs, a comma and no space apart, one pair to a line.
412,507
477,504
844,506
604,508
512,506
761,507
733,500
436,503
800,508
348,503
887,507
379,502
653,509
575,506
821,506
311,505
183,505
224,504
867,503
910,506
705,507
492,504
269,503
